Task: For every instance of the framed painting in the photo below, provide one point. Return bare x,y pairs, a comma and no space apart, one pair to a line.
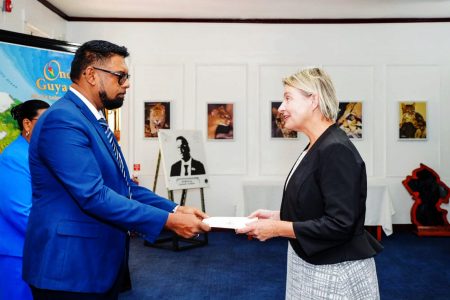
156,117
278,131
350,119
412,123
220,121
184,159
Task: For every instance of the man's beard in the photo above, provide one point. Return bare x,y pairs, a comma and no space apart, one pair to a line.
110,103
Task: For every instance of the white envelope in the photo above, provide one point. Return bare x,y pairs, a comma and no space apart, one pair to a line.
228,222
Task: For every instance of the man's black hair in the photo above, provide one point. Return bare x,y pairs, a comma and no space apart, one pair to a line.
91,52
183,139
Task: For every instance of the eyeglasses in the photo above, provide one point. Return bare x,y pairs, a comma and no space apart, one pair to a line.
123,77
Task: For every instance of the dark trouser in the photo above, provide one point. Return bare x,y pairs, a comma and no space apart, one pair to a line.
126,282
111,294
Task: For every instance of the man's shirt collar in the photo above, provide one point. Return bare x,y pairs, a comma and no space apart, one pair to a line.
98,114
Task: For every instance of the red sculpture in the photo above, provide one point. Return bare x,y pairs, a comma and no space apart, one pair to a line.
428,193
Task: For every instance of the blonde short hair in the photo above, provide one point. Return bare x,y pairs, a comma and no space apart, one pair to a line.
316,81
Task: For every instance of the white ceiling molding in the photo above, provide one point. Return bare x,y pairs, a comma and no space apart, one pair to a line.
252,9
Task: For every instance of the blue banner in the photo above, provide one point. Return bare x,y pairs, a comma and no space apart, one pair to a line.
29,73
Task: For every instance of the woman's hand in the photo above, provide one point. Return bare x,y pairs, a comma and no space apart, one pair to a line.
265,214
265,229
262,229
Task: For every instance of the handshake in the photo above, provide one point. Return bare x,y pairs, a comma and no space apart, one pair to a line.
262,224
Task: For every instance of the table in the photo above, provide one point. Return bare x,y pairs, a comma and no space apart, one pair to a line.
379,208
267,194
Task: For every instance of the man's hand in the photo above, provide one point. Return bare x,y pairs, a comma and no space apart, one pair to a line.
187,225
191,210
265,214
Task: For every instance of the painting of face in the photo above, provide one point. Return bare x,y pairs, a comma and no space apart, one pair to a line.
220,121
156,117
350,118
183,157
278,129
413,120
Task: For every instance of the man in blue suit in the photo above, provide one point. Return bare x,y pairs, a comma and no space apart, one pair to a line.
83,199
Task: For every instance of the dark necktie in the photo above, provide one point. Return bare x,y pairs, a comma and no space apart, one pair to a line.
186,173
112,140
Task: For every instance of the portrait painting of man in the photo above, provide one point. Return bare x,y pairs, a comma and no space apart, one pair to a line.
183,158
186,166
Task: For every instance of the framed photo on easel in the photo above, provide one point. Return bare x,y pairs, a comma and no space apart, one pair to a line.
183,156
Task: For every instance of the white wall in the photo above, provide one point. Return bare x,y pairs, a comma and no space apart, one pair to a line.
192,64
31,15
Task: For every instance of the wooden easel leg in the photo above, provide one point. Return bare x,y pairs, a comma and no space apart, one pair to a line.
202,195
157,171
170,193
183,197
202,198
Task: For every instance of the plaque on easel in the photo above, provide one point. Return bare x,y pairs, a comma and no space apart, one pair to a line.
183,156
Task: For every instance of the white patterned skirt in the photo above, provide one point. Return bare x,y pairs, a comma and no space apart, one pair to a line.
352,280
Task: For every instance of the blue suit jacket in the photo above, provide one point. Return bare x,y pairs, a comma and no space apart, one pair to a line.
15,197
76,233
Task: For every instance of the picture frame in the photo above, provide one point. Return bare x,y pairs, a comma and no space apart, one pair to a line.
156,117
277,130
220,121
183,157
350,119
412,120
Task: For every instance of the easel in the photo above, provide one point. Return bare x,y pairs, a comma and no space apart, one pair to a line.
171,240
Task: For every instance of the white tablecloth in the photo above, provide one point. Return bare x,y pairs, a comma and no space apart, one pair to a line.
267,194
379,208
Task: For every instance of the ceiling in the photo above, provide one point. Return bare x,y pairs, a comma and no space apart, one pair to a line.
250,10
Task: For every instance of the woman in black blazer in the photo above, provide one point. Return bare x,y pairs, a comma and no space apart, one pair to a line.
330,255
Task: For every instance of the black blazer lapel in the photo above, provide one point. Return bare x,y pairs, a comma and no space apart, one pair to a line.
305,167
